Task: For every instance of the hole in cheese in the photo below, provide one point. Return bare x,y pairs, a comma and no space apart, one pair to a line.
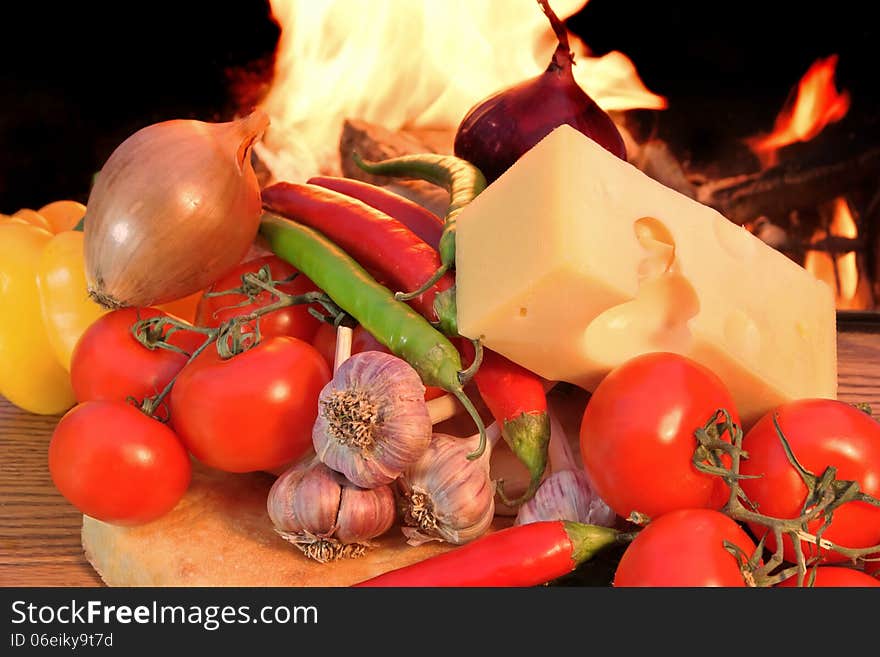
657,318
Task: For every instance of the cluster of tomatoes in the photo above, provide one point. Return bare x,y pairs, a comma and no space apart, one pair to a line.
637,443
251,412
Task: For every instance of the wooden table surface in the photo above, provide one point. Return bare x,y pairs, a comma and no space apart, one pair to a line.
40,531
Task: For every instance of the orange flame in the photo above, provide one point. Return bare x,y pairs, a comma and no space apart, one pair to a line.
840,271
412,64
805,114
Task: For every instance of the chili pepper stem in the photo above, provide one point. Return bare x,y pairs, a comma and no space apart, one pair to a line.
588,540
466,375
424,287
472,411
528,435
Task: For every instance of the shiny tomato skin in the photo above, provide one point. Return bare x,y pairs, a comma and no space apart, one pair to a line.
685,548
109,364
117,465
294,321
253,411
834,576
821,433
637,435
361,340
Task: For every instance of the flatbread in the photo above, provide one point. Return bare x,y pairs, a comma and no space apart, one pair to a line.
220,535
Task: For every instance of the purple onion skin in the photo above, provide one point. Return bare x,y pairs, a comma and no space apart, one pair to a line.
499,130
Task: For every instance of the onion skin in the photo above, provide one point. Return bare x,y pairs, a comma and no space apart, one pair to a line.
176,206
500,129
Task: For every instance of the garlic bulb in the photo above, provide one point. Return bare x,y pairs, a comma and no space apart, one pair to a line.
175,206
326,516
372,419
566,494
444,496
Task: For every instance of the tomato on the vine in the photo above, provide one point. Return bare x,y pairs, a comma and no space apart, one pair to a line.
294,321
637,435
108,363
833,576
116,464
253,411
686,548
820,433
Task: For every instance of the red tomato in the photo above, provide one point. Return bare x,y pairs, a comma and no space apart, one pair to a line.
821,433
251,412
685,548
115,464
294,321
109,364
637,435
361,340
831,576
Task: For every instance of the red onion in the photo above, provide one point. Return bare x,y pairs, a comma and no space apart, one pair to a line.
496,132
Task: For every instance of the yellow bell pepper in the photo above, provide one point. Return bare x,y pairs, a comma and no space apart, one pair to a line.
31,376
43,293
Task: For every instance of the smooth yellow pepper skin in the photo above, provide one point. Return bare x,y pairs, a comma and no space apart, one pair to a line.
31,376
67,309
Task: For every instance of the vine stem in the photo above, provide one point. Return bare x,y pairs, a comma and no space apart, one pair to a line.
232,336
151,404
825,494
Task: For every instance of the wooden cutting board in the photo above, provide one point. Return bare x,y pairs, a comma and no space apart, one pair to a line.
40,533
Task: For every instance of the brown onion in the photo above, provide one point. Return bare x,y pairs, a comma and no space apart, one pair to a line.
497,131
176,206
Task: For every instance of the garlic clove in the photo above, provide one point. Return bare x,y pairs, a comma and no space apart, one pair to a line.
318,499
372,421
365,513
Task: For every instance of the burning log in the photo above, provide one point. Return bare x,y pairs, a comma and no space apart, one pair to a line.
789,186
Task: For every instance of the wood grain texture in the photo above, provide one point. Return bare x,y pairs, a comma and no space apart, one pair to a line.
40,532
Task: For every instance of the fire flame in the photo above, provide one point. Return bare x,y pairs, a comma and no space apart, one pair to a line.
412,64
813,105
840,270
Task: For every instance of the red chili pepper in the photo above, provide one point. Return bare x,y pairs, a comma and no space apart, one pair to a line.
427,225
376,241
522,555
515,396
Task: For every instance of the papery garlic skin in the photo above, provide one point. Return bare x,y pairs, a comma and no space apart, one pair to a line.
445,496
566,495
325,515
176,205
372,419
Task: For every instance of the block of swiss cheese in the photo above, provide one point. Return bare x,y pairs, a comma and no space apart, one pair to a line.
574,261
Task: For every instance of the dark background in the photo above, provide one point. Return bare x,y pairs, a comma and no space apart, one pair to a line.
77,78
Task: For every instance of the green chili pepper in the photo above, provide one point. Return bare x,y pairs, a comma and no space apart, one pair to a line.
406,333
459,177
